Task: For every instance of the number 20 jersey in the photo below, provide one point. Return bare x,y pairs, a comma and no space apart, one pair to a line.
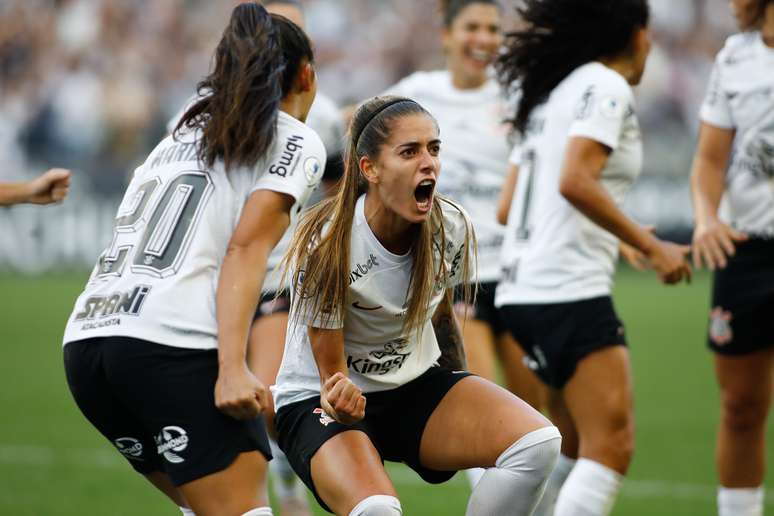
553,253
157,279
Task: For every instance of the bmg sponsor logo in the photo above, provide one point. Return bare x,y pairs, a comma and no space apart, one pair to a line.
288,160
170,440
130,448
128,302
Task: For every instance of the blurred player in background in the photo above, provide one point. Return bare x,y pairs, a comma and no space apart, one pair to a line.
735,156
580,151
470,109
374,271
155,349
49,187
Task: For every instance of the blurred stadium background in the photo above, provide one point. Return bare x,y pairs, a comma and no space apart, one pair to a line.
90,84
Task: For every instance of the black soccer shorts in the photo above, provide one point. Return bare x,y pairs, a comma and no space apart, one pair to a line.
156,405
556,336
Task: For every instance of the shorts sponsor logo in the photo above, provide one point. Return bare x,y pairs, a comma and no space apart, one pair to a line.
312,170
129,447
375,363
720,331
117,303
288,160
363,268
325,419
172,439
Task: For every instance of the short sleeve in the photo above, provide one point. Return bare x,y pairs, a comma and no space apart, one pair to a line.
459,232
296,166
601,110
715,109
515,156
304,317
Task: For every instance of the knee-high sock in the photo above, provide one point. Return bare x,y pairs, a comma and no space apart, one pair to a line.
378,505
740,502
548,503
590,490
516,483
474,475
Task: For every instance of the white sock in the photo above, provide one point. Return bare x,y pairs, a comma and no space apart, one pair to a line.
516,483
187,512
259,511
590,490
474,476
740,502
548,503
378,505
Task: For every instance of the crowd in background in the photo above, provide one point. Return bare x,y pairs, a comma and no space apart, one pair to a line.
90,84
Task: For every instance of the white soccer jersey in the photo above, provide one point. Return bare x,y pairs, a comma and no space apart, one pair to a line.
379,355
741,97
474,153
552,252
157,279
325,119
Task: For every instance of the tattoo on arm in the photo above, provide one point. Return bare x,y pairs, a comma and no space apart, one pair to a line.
449,337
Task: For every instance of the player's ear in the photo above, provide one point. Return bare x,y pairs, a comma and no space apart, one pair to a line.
368,170
307,77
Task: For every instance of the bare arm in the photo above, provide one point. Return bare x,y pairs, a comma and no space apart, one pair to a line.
506,194
579,184
449,336
712,239
339,396
264,220
47,188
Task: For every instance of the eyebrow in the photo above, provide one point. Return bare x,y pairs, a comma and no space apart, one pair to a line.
417,144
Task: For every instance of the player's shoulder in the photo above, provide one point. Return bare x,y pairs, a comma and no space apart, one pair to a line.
420,82
456,220
293,133
607,79
737,49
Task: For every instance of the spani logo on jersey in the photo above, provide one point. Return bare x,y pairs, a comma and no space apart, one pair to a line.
288,160
172,439
129,303
129,447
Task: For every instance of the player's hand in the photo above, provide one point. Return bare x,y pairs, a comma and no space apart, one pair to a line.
49,187
670,262
713,243
239,394
634,256
342,399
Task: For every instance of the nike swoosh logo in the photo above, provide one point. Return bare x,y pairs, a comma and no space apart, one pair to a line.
356,304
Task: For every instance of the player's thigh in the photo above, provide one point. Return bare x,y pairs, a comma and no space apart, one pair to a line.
163,483
479,348
231,491
347,469
599,395
746,382
519,379
473,424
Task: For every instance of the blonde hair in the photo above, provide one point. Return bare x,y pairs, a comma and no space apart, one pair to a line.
319,254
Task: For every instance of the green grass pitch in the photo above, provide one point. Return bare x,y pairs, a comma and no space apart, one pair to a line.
53,463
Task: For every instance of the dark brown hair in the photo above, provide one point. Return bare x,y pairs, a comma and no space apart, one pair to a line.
256,63
450,9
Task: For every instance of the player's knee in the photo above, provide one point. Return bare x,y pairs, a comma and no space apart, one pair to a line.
536,452
378,505
744,412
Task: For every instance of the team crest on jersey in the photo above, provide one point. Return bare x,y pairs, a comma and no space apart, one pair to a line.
611,107
171,441
325,419
720,331
312,170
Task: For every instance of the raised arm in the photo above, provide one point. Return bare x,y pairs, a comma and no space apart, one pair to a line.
49,187
580,185
264,219
506,194
449,336
712,240
340,398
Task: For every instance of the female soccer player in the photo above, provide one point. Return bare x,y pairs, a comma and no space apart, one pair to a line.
470,109
49,187
155,347
737,124
575,62
372,267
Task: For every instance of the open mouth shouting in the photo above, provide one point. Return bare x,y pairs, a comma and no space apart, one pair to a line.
423,194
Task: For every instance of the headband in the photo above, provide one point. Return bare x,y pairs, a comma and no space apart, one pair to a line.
377,112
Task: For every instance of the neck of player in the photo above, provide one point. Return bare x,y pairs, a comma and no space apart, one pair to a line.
393,231
295,106
767,27
462,80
